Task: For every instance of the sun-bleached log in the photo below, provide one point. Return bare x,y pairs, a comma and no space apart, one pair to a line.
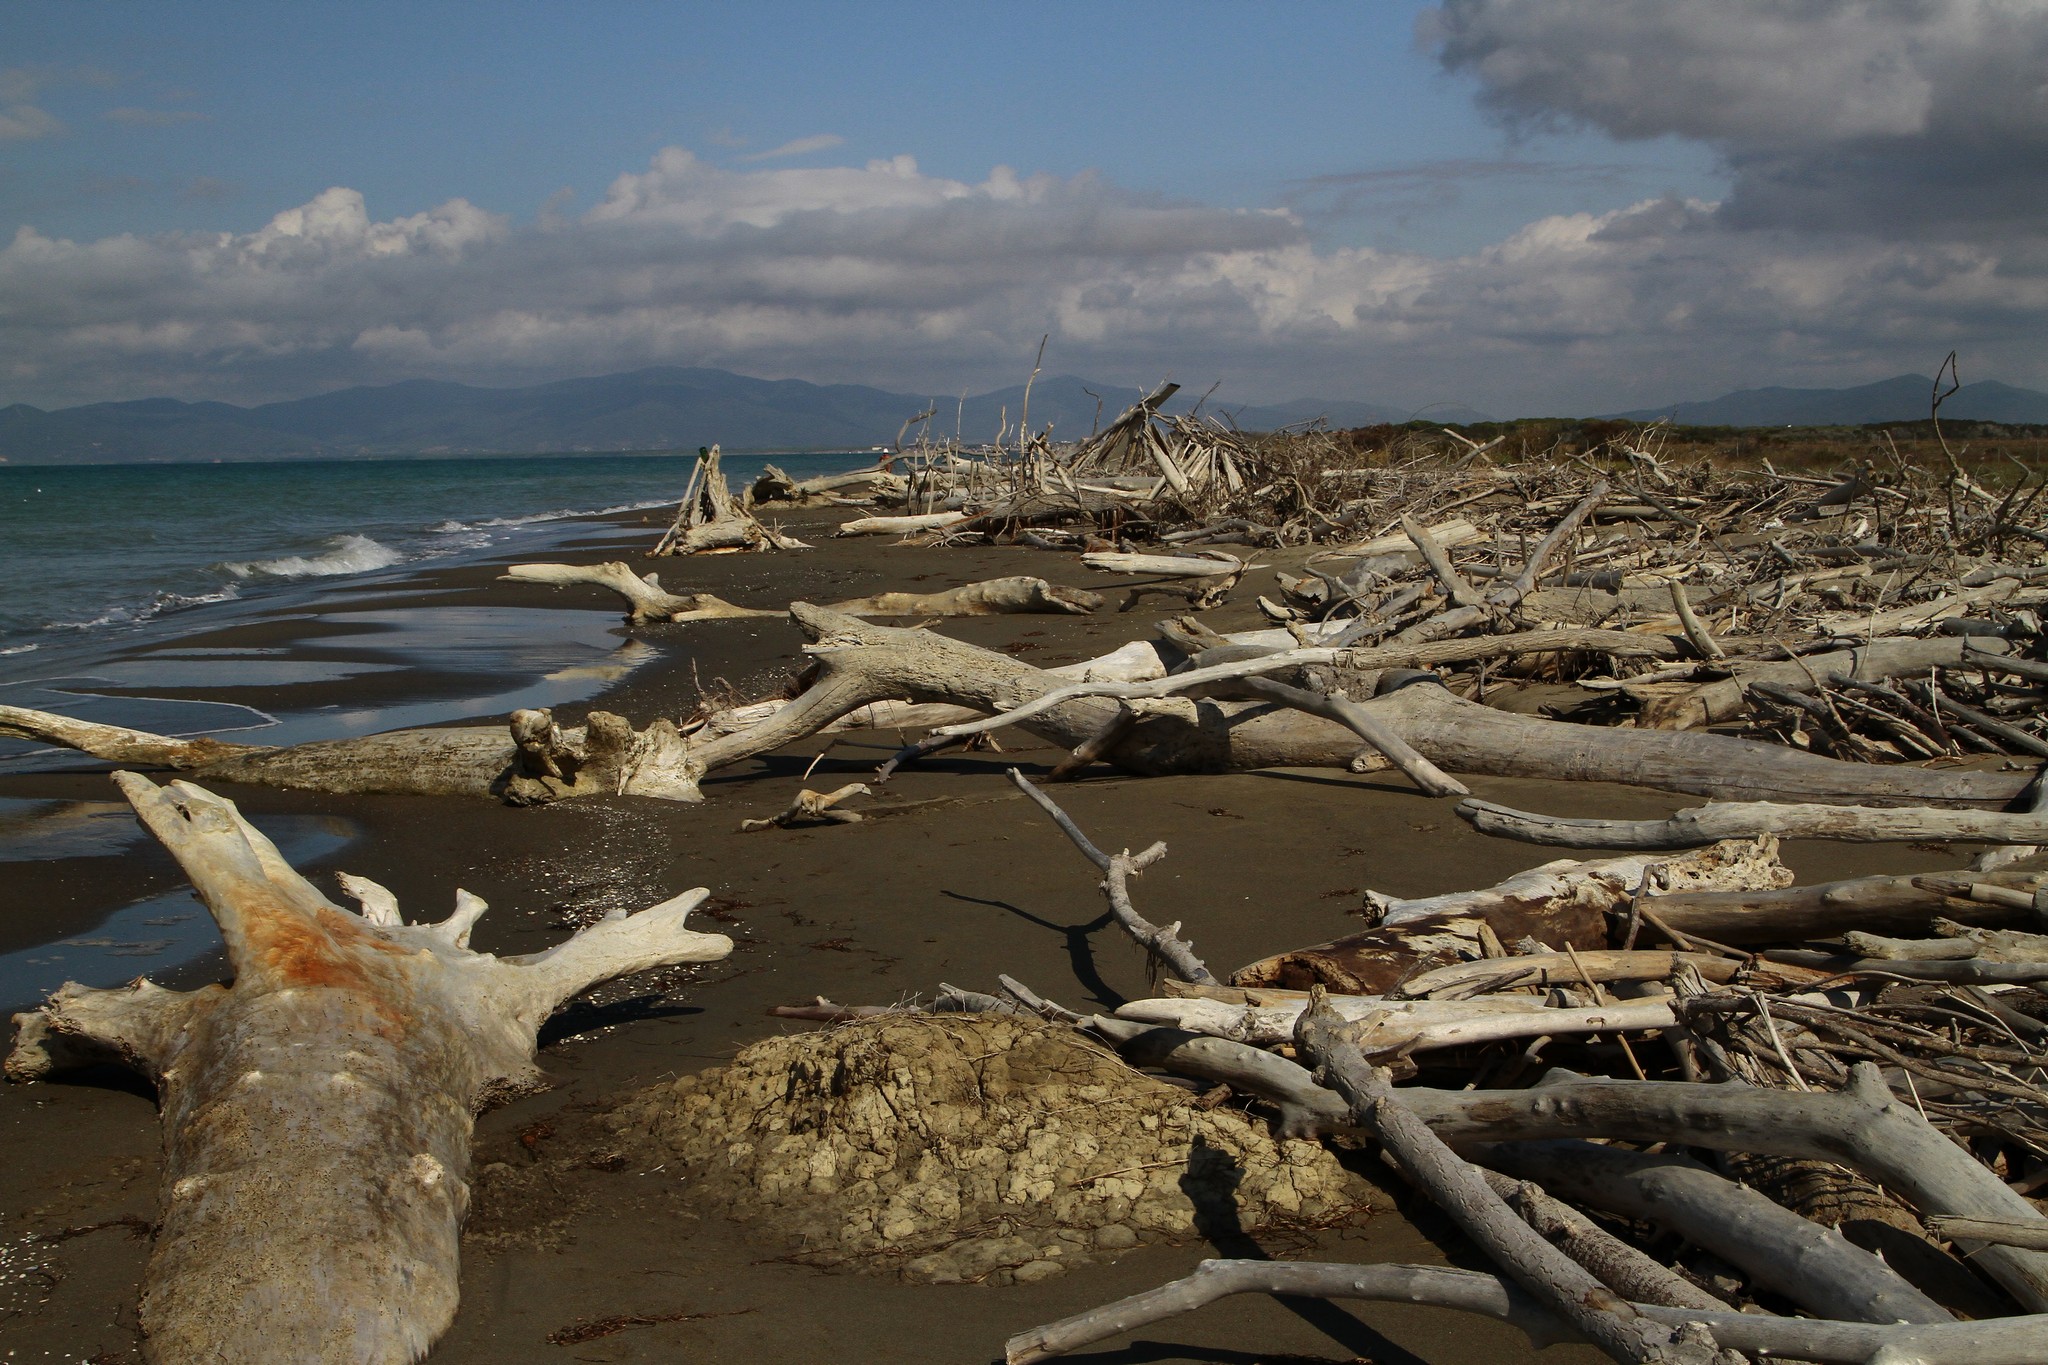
317,1112
859,664
2000,1341
899,526
1889,905
1384,1029
1604,965
648,601
1561,904
1166,566
1697,825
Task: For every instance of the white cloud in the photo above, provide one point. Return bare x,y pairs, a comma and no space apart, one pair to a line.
803,146
154,118
25,123
1888,172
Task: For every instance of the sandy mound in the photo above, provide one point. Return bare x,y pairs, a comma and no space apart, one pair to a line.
972,1147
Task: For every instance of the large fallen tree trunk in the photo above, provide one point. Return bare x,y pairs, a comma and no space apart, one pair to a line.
529,762
1880,905
648,601
1560,904
1700,825
859,663
317,1112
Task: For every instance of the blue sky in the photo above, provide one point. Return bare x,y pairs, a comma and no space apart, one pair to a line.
1518,203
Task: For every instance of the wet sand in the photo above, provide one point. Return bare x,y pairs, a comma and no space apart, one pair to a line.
959,881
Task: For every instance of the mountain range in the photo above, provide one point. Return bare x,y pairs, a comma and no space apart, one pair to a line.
675,408
654,409
1904,398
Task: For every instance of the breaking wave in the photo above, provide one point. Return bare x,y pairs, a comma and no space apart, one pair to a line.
346,554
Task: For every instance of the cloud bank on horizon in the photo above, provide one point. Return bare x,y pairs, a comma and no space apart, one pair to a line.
1887,163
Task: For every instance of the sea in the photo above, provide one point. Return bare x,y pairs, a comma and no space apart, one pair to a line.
107,570
94,555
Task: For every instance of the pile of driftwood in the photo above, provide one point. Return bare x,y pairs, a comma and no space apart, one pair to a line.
1850,657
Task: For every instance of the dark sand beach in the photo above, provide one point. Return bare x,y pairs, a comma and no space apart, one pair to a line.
955,880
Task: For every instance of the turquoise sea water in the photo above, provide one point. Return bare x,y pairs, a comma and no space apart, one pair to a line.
88,553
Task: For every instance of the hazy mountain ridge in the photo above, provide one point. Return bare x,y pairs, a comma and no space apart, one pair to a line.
670,408
1902,398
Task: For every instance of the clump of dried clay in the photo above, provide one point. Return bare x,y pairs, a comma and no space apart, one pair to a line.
973,1147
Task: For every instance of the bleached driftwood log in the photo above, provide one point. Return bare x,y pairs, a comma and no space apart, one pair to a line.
710,521
646,599
899,526
1561,904
1697,825
1890,905
317,1112
1218,565
813,807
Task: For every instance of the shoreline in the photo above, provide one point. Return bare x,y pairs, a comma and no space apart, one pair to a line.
958,883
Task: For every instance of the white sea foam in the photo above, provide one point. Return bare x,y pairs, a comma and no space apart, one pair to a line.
559,514
156,606
346,554
18,649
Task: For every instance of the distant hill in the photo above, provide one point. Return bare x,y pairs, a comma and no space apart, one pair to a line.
655,409
1901,399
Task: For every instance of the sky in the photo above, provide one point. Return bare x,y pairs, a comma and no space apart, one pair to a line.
1523,206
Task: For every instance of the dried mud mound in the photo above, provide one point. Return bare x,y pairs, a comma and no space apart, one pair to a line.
973,1147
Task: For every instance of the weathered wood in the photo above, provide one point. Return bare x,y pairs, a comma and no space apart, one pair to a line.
1861,1126
1561,904
1552,1278
1997,1231
648,601
2001,1341
317,1112
1165,945
1166,566
900,526
1893,905
1815,1267
1547,969
709,521
1698,825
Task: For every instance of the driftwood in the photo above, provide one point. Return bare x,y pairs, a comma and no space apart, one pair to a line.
1890,905
2001,1341
317,1112
860,664
1861,1126
899,526
1815,1267
1560,904
1556,1281
1164,945
1700,825
710,521
647,601
811,807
